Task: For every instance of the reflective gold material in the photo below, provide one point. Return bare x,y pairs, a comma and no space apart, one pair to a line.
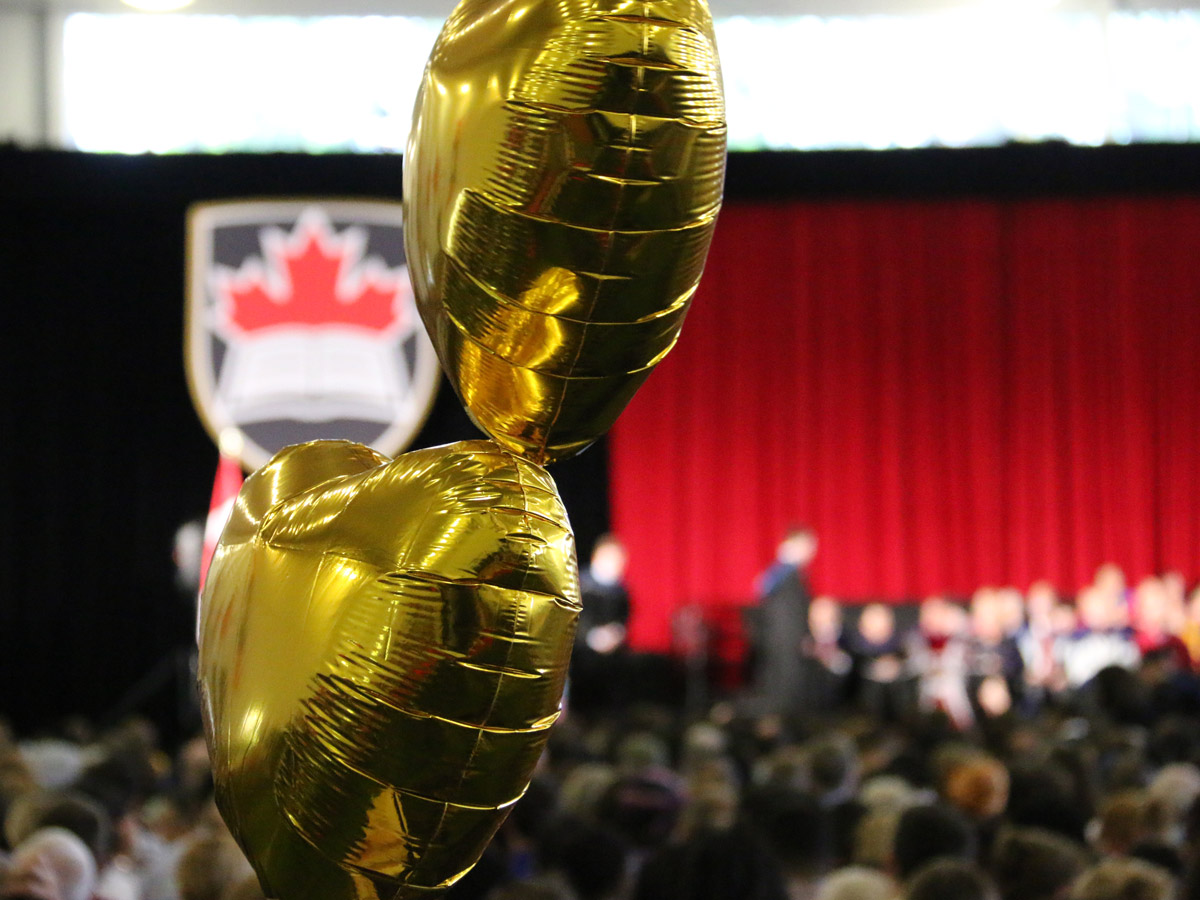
383,647
561,186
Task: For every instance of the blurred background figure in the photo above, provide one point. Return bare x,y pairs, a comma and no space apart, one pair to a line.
599,663
51,864
1101,638
879,654
211,866
781,623
1189,630
949,879
825,664
992,652
1035,641
793,556
1121,879
1110,580
937,656
187,553
1157,620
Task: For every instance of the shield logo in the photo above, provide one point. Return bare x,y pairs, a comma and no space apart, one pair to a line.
301,324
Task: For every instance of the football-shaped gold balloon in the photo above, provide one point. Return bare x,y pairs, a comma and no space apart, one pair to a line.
383,647
562,182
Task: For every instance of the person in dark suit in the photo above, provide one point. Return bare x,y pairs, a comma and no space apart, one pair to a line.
782,621
599,663
825,663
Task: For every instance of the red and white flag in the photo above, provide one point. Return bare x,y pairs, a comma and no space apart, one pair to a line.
225,490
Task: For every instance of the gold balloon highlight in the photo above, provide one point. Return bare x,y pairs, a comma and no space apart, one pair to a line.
383,647
561,186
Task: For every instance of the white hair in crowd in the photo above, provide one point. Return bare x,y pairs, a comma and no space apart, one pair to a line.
857,883
61,855
1176,786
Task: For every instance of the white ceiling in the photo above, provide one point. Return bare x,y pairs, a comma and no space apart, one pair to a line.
720,8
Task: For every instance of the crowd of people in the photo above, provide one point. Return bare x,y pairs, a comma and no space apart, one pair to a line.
110,816
1005,746
996,650
1008,747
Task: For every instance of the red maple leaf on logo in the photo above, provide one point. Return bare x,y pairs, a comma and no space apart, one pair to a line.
313,277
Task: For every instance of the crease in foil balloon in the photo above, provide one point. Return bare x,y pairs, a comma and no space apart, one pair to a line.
383,647
562,183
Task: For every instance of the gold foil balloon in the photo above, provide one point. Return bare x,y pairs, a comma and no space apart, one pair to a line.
562,182
382,652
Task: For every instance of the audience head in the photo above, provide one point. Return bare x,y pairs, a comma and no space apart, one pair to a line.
832,767
796,830
856,883
949,879
584,788
590,858
714,865
641,751
1123,879
711,805
536,809
51,864
704,743
926,833
72,811
1033,864
978,787
209,866
645,810
1125,819
1175,789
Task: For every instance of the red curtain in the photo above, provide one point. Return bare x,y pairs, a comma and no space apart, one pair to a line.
952,393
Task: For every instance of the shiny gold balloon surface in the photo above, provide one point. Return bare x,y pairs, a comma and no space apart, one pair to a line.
562,183
383,647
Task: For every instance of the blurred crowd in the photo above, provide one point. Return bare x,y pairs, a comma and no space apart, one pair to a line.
1008,747
110,816
1000,649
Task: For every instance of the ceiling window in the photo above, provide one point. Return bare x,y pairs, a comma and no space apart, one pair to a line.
998,73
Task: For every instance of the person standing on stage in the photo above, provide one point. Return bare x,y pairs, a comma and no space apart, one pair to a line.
605,613
598,664
782,626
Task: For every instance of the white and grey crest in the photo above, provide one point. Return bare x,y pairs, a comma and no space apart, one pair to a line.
301,325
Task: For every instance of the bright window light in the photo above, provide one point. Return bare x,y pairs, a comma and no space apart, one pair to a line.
983,75
216,83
